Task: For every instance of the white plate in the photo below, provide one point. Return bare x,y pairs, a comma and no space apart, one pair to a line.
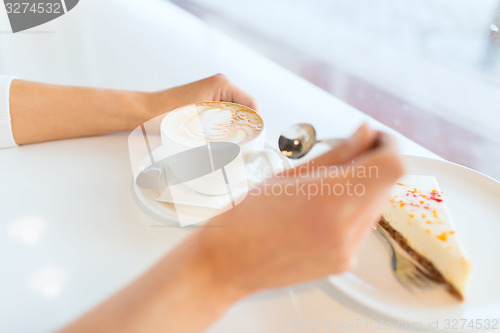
166,213
474,202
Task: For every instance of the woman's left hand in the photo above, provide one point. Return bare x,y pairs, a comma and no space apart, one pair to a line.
214,88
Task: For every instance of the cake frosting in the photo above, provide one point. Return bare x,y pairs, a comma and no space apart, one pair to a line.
420,220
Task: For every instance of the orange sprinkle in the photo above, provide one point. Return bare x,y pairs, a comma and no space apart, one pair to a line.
401,204
422,201
423,216
428,231
444,236
428,222
401,184
411,215
423,196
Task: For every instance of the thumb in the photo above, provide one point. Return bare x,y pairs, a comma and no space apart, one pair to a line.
384,162
363,139
384,167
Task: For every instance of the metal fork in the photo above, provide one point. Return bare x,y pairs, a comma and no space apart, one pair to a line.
407,273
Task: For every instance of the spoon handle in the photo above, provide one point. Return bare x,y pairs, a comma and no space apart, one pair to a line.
332,142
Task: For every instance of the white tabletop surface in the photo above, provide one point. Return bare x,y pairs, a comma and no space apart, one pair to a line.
71,232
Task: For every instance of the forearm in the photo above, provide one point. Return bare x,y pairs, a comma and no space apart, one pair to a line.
178,294
43,112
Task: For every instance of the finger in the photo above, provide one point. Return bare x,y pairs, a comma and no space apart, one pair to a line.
241,97
377,171
381,166
360,141
228,92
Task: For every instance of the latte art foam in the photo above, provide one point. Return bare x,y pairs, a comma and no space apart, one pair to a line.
206,122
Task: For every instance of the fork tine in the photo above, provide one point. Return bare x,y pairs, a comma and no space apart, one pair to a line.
412,279
424,273
404,281
418,280
421,278
406,271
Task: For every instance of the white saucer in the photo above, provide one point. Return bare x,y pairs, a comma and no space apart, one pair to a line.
474,202
166,213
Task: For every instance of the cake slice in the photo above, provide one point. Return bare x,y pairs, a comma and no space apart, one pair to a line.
419,220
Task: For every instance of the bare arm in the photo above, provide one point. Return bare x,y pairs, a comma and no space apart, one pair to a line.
179,294
43,112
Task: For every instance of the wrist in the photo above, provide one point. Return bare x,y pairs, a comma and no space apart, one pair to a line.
221,262
220,275
188,275
139,106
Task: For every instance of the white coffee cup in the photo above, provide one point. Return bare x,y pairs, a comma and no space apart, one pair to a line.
208,145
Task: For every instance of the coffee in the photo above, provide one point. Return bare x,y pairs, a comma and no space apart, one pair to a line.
199,123
214,139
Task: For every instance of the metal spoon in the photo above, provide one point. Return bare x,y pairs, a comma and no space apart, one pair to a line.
297,140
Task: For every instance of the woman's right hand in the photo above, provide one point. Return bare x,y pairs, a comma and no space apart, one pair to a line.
279,237
265,242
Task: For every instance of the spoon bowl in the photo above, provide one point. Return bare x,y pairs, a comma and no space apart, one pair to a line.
297,140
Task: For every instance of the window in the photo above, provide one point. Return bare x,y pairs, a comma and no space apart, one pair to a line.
428,68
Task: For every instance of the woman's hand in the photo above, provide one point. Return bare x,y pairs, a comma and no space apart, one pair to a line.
267,241
44,112
213,88
312,225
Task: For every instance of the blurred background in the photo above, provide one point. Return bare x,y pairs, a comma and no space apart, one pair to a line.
428,68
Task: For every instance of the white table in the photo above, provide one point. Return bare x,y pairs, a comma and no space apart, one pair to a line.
71,233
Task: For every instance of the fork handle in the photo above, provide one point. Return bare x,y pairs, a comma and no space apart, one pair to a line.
382,235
